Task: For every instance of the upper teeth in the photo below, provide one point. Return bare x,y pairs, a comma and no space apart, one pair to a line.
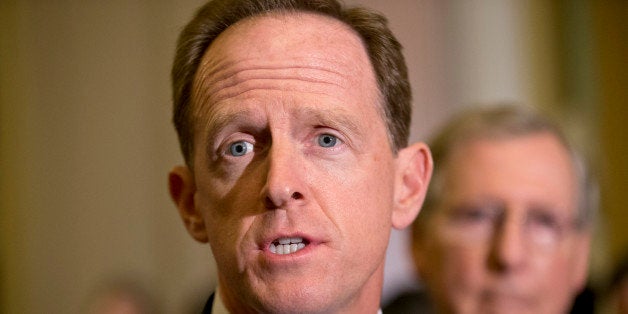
286,245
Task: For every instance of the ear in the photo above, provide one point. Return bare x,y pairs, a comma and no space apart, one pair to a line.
182,189
413,173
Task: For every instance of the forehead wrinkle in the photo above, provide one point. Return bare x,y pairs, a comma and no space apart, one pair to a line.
336,118
218,82
226,79
224,66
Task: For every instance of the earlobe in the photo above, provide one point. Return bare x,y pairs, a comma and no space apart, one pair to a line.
414,170
182,189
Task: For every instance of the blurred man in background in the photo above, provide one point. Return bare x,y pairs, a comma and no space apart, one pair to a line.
506,225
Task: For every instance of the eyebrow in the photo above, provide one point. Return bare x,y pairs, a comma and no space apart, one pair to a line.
220,120
336,118
333,118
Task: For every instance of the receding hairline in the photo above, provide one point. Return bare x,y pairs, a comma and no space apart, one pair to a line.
196,100
281,14
383,49
505,121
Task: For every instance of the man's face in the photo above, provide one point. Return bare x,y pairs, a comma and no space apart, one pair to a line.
293,170
503,238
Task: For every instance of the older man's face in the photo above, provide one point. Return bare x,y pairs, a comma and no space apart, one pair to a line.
503,240
293,170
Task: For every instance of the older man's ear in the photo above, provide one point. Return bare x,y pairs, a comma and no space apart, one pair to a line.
182,189
414,170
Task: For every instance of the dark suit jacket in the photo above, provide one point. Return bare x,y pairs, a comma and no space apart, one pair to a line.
410,302
419,302
208,305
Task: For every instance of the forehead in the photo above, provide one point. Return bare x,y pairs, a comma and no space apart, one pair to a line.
529,168
286,34
293,46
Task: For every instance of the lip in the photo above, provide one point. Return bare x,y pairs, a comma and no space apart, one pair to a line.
507,299
311,244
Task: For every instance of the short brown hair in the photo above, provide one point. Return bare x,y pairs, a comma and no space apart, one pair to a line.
213,18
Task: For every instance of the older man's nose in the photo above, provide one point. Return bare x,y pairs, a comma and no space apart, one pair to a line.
508,250
284,186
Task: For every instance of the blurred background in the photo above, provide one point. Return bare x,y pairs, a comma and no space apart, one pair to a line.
86,140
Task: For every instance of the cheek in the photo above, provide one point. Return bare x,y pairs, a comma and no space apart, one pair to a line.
227,201
358,201
365,196
350,202
226,222
551,279
462,265
554,270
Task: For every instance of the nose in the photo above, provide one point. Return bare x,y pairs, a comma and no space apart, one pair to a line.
508,251
284,186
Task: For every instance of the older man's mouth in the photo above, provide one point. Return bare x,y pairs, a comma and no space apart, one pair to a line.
283,246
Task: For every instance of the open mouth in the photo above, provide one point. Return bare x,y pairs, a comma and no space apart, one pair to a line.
283,246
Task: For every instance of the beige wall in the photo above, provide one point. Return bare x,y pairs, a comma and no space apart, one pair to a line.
86,146
86,140
576,53
610,27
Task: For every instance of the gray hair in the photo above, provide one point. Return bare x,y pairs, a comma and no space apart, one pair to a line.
503,121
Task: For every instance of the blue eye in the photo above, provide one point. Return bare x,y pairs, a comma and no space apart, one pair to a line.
240,148
327,140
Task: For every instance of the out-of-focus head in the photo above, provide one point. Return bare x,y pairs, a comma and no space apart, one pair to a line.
121,296
505,227
293,118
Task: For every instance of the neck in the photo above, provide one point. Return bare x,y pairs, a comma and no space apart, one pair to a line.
367,299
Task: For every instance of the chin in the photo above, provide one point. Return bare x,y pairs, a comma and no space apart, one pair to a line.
304,302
